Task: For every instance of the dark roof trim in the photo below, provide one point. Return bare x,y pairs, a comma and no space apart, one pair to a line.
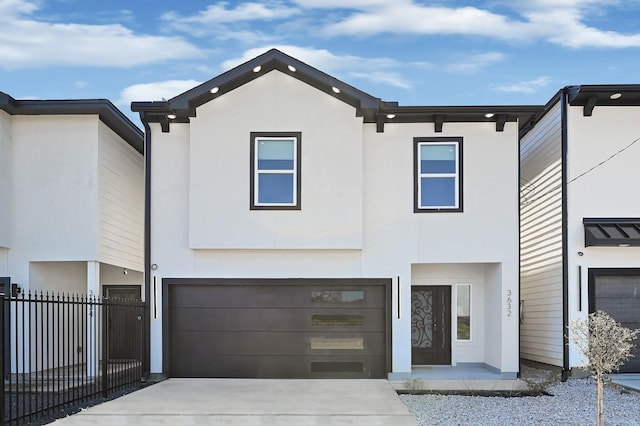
589,96
526,126
373,110
611,232
108,113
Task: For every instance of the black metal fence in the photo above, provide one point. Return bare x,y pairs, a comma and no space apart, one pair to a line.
64,351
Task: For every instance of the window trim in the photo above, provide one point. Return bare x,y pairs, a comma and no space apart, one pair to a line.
419,141
253,171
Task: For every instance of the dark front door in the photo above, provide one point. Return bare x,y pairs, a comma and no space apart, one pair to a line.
123,322
431,325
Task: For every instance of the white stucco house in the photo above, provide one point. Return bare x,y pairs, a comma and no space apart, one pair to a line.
71,197
580,226
299,227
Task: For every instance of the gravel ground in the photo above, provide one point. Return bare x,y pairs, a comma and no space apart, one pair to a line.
572,403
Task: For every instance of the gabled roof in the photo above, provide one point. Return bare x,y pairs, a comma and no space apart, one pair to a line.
612,232
372,109
104,109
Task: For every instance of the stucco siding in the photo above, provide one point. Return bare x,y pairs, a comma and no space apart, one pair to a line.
121,202
541,331
54,187
392,227
5,177
609,190
331,169
357,218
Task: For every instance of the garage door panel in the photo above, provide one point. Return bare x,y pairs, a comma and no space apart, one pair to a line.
289,296
296,328
618,294
279,343
285,367
262,319
622,310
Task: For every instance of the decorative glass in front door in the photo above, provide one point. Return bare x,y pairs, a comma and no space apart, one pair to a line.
431,325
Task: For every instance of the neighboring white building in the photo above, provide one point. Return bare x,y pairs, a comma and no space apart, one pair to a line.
580,226
71,197
302,228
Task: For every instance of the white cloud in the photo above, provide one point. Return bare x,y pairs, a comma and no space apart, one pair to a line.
154,91
27,42
216,18
560,22
376,70
342,4
528,87
80,84
219,14
381,77
475,62
408,17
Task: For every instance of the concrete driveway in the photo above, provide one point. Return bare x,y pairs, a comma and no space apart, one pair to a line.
240,402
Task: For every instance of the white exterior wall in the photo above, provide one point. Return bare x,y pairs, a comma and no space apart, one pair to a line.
541,241
610,190
485,233
54,191
331,199
5,184
357,209
76,195
121,201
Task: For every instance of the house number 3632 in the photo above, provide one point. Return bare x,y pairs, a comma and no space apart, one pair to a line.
509,310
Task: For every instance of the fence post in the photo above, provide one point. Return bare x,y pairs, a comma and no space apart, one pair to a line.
105,347
2,350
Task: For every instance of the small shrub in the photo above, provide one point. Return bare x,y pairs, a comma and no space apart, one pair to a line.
540,383
413,385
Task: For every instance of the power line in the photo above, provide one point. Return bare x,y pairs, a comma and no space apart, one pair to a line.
530,184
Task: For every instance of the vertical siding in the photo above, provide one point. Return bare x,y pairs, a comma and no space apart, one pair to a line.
121,223
541,241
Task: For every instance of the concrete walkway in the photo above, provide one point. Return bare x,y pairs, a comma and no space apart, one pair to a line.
240,402
628,380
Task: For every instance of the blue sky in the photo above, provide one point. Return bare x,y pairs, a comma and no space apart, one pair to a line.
447,52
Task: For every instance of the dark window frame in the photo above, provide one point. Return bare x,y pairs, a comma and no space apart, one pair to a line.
252,174
417,141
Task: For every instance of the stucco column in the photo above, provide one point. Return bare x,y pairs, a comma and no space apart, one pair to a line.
93,291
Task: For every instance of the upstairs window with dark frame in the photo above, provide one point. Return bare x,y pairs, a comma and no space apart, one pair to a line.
437,174
275,171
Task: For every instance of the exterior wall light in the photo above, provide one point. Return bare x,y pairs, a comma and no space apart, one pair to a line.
257,69
291,68
335,89
214,90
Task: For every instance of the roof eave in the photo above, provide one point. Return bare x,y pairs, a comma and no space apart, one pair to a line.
104,109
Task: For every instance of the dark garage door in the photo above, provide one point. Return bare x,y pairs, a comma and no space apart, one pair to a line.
617,292
294,328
